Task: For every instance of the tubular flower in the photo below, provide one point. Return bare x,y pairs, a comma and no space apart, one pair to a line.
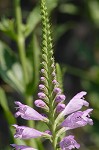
51,100
78,119
28,113
75,104
22,147
24,132
69,143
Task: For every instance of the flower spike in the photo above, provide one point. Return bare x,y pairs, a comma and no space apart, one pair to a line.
51,100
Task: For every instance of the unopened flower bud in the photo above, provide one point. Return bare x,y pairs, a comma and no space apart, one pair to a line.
42,78
53,74
41,86
57,90
41,95
42,70
60,98
41,104
60,107
54,82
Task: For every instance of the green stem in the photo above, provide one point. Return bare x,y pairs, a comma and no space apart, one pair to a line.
21,39
22,54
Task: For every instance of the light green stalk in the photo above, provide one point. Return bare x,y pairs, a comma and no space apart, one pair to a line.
22,55
21,39
48,61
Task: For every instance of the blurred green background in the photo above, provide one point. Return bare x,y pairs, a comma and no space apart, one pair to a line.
75,31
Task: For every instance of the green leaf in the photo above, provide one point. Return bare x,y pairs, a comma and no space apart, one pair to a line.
10,69
51,4
34,58
32,20
7,26
4,104
60,74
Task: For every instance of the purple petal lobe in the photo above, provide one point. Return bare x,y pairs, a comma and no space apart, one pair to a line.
22,147
48,132
27,112
80,94
78,119
69,143
23,132
75,104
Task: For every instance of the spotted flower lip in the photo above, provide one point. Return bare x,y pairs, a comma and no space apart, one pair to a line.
28,113
78,119
24,132
69,143
75,104
22,147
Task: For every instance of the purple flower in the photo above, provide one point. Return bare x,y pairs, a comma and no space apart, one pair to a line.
69,143
41,104
48,132
57,90
22,147
41,95
55,82
75,104
41,86
59,98
60,107
78,119
28,113
42,78
42,70
23,132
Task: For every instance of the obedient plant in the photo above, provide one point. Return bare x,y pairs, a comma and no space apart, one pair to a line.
58,117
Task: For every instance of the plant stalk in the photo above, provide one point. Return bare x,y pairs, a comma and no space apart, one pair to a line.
21,40
22,54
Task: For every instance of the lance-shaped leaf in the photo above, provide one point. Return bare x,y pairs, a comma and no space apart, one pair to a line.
10,69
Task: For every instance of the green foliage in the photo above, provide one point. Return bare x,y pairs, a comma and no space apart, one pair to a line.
33,55
4,104
10,68
7,26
